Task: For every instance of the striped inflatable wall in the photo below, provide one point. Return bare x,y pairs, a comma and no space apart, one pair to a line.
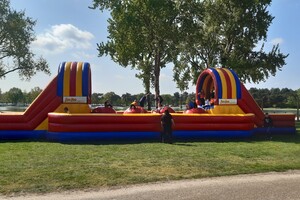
74,81
224,81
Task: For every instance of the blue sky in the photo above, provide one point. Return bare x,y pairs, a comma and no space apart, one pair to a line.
67,30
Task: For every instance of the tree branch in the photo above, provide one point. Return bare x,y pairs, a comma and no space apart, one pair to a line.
12,70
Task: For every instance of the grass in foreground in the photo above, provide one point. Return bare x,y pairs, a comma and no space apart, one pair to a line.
38,167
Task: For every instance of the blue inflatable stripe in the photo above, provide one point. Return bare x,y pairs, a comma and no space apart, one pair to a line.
82,137
219,82
23,135
238,85
60,79
190,135
85,79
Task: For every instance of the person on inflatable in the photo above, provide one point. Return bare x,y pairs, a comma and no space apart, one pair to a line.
143,100
207,104
133,105
192,104
159,100
107,104
202,97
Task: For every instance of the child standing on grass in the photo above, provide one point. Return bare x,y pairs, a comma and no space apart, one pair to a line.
166,123
268,123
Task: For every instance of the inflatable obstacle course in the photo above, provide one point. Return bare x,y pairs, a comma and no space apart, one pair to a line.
62,112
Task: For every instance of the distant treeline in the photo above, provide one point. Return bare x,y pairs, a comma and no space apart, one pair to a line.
266,98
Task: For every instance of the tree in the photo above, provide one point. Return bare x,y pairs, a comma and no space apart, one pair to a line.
261,96
112,97
16,36
226,33
127,98
177,99
96,98
143,35
15,96
168,99
31,96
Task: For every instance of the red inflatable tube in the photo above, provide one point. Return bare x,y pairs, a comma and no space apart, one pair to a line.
103,110
162,110
15,126
214,126
116,119
39,117
284,123
11,118
43,107
195,111
102,127
243,105
249,105
117,122
283,117
138,109
283,120
36,113
213,118
42,100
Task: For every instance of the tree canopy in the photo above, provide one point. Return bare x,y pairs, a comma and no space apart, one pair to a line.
142,34
228,33
16,35
193,35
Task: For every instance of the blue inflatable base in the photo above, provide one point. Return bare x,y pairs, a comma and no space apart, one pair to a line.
98,137
23,135
275,130
66,137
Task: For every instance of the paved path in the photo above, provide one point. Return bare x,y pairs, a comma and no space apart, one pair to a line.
266,186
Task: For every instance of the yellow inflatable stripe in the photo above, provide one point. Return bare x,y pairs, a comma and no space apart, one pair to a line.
233,83
224,84
67,79
79,79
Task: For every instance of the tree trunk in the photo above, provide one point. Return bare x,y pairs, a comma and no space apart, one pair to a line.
156,77
147,84
147,91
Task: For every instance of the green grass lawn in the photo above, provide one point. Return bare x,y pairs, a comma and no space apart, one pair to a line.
38,167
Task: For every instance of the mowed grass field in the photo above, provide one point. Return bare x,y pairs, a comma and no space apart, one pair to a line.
41,167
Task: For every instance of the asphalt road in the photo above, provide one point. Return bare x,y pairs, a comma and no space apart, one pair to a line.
266,186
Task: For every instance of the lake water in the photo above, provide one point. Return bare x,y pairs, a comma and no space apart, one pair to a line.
12,108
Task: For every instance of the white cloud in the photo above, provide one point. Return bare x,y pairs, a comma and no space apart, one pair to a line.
62,37
83,55
276,41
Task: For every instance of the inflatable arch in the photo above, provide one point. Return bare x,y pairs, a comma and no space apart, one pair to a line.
232,97
74,82
224,81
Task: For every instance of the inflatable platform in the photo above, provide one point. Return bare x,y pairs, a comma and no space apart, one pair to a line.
62,112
